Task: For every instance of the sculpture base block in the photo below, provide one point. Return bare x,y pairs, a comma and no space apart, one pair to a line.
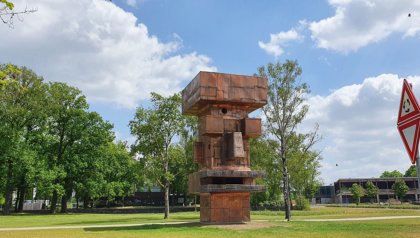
225,207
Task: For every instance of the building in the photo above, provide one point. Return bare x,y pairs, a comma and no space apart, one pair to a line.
343,194
324,195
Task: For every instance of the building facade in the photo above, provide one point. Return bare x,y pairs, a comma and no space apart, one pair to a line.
385,193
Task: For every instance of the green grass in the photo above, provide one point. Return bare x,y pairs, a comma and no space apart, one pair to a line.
29,220
380,228
335,212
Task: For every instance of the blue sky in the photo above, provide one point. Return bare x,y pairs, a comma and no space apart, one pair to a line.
354,54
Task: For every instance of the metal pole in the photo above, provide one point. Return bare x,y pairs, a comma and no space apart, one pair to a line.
418,175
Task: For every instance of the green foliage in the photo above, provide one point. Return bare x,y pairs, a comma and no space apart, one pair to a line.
8,13
371,190
357,192
400,189
304,169
52,142
303,204
22,116
392,174
155,129
284,111
411,172
7,4
263,156
2,200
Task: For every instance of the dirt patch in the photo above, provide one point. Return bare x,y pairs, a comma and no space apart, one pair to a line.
246,226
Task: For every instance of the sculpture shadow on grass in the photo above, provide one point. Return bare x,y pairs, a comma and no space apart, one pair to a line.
144,227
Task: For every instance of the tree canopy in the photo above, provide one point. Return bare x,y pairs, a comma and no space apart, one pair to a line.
400,188
284,111
357,191
391,174
155,129
51,142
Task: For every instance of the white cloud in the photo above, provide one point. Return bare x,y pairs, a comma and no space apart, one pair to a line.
357,23
358,124
100,48
279,41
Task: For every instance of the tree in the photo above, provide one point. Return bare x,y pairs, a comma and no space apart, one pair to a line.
155,129
357,192
86,156
22,104
392,174
284,111
7,12
304,169
400,189
67,110
411,172
120,172
371,190
262,155
182,154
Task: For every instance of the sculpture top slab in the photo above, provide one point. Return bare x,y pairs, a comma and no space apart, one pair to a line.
209,88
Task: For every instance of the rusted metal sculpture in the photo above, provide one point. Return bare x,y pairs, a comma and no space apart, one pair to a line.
224,180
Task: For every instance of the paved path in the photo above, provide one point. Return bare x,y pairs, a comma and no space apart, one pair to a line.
176,223
363,218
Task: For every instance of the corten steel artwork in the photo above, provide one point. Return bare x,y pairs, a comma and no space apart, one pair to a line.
224,180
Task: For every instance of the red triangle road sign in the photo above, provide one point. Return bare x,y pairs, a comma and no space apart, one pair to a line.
409,108
410,133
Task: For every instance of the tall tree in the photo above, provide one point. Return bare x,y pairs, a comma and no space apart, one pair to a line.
371,190
284,111
357,191
155,129
90,147
22,103
67,120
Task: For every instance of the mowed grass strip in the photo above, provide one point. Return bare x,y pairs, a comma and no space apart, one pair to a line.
334,213
29,220
383,228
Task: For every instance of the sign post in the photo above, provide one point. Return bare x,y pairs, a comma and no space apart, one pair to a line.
418,175
408,124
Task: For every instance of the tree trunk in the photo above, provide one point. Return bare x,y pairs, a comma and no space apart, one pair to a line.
64,200
8,201
286,190
8,196
166,200
54,202
17,199
300,200
21,198
85,203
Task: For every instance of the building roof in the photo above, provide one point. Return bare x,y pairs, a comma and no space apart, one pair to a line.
374,179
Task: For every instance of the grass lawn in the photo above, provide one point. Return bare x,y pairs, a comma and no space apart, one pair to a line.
380,228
